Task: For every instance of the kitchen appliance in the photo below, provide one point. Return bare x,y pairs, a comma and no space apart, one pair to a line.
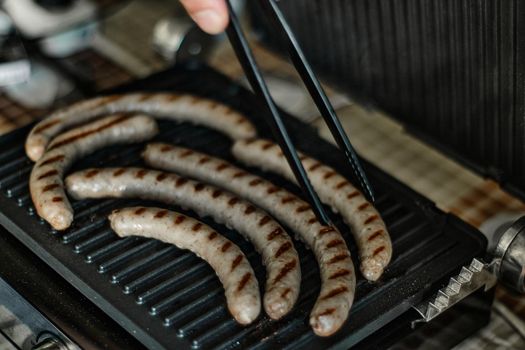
166,298
450,71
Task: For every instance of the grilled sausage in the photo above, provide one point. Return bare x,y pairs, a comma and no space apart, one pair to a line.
337,270
230,265
368,229
46,184
283,274
179,107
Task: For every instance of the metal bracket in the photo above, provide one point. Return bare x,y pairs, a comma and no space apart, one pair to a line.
470,279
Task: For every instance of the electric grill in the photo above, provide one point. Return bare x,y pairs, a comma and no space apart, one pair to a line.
167,298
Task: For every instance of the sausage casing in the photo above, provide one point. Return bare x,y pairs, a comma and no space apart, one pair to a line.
283,274
46,184
368,229
225,257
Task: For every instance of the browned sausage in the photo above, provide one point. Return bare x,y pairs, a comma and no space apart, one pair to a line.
46,185
283,274
179,107
225,257
368,229
337,271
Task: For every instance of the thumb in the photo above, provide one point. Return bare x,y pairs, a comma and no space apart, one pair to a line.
210,15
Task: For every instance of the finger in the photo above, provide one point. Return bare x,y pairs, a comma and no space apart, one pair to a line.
210,15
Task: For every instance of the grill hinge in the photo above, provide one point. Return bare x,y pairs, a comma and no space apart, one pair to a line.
470,279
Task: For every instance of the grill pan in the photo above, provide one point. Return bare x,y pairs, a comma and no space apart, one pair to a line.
168,298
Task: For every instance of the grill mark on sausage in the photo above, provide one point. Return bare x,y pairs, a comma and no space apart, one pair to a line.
244,281
199,187
46,126
375,235
57,199
240,174
342,184
240,120
340,273
186,153
312,221
236,262
327,312
249,209
179,219
266,219
314,166
233,201
196,227
204,160
335,292
141,173
48,174
53,160
326,230
222,166
161,214
334,243
287,199
353,194
86,133
285,270
140,211
303,208
267,145
119,172
144,97
180,181
285,293
50,187
174,97
255,182
92,173
249,142
226,246
371,219
338,258
303,157
272,189
328,175
212,235
166,148
161,177
378,250
216,193
363,206
278,231
283,249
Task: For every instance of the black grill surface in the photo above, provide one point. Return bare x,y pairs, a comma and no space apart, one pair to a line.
168,298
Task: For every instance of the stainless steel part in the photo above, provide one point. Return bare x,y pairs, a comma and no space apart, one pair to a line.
179,39
471,278
509,255
26,327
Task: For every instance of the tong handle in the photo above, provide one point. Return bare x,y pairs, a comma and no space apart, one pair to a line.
317,93
247,60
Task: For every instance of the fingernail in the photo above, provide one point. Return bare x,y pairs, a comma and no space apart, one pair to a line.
209,21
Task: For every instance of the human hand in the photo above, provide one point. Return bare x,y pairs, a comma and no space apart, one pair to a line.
210,15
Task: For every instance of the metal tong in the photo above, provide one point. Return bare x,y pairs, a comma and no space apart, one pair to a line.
253,73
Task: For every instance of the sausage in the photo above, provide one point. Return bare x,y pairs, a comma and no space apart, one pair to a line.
225,257
369,230
179,107
46,184
283,276
337,270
